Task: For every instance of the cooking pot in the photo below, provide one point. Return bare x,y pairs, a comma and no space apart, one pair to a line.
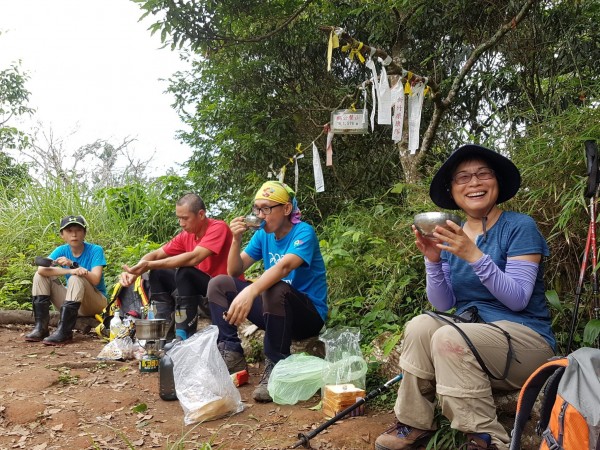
151,329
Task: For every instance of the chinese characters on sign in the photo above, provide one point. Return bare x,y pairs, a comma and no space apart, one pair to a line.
346,121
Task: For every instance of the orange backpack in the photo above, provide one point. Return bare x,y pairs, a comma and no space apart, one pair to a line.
570,408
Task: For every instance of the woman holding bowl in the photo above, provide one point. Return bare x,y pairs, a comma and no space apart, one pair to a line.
492,262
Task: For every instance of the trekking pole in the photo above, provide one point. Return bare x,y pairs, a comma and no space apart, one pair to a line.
591,151
590,236
304,439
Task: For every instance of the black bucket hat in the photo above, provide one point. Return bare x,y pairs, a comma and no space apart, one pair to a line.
507,174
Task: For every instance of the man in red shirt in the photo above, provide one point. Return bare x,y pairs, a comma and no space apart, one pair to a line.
184,265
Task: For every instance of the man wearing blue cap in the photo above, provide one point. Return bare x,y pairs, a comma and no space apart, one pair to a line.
82,264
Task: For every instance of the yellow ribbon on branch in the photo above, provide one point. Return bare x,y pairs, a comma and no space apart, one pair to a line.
354,50
334,42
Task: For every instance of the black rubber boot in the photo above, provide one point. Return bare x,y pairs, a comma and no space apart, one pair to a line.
186,315
64,332
41,312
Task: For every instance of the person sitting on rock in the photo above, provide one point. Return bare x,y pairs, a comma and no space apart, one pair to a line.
491,266
289,299
181,269
82,264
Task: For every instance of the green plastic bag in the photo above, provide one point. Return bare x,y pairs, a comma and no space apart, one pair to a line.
296,378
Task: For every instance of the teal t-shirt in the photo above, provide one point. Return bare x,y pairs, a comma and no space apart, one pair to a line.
92,256
302,241
514,234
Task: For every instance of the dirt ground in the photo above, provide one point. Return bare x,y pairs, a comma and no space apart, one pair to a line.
64,398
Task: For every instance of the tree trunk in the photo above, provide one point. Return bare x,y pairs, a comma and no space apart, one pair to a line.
19,317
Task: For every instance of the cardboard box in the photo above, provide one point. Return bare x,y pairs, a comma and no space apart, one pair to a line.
337,397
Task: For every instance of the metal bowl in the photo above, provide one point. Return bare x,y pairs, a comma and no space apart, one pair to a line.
253,221
426,222
150,329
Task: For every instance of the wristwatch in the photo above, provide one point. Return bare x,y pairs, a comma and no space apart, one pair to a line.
73,265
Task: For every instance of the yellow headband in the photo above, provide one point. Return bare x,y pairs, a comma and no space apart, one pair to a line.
275,191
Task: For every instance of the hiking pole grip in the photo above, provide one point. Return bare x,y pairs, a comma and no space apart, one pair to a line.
304,439
591,155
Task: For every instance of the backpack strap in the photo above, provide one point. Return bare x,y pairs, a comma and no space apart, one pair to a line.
141,290
547,404
114,299
529,393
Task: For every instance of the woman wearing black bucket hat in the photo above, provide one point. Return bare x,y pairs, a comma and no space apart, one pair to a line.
490,268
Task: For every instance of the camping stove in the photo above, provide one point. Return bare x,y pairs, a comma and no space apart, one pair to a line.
152,332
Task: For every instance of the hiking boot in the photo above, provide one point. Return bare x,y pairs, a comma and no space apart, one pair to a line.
479,441
64,332
41,312
401,437
235,361
261,393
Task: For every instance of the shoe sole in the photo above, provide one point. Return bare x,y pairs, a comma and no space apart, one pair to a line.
57,344
419,444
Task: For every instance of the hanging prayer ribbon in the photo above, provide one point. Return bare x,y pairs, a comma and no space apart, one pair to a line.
398,119
384,110
317,171
329,146
354,50
415,105
407,87
365,110
334,42
371,65
281,175
296,173
387,61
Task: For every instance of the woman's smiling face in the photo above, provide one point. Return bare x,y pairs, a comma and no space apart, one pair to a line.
477,196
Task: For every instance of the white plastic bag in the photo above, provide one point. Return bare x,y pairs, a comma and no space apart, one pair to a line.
344,356
202,382
119,349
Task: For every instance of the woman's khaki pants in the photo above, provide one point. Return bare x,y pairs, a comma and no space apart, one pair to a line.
436,361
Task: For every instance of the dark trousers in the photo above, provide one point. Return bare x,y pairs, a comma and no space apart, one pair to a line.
182,291
282,311
188,281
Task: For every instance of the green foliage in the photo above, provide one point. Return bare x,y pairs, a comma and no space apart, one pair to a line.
29,227
375,277
16,273
12,175
551,155
591,333
445,438
13,103
149,208
65,377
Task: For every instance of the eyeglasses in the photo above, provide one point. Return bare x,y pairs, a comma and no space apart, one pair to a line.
466,177
266,210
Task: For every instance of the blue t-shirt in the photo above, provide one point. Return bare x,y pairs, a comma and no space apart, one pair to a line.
92,256
302,241
514,234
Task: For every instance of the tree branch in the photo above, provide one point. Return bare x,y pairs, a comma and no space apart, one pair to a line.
441,105
197,34
392,69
